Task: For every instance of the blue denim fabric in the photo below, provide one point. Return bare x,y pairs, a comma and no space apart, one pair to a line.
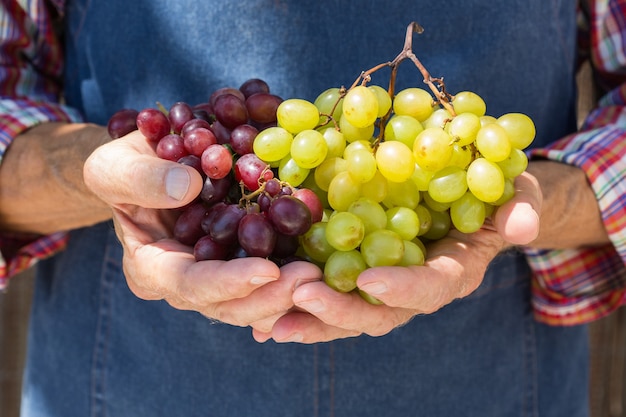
96,350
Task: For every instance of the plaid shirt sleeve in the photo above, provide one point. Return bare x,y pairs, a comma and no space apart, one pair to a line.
580,285
30,73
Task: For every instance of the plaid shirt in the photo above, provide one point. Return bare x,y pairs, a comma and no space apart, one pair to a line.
569,286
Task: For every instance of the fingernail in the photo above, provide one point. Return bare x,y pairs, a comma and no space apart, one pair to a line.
177,183
374,288
312,306
294,337
258,280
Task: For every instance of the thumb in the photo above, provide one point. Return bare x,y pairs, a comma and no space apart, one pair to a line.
518,220
127,171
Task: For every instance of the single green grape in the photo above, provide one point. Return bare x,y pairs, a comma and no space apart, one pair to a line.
377,188
493,142
327,170
272,144
519,127
439,118
404,194
309,148
352,133
345,231
464,128
335,141
425,218
461,156
296,115
433,204
403,221
403,129
469,102
467,213
382,248
514,164
395,161
315,244
371,213
361,165
291,172
383,98
448,184
329,103
413,254
421,177
433,149
342,270
485,180
440,227
342,191
414,102
360,106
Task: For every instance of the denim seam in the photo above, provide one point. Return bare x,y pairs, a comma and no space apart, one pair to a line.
530,395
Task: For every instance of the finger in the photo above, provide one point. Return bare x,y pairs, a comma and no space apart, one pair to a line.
346,311
267,303
517,220
139,177
302,327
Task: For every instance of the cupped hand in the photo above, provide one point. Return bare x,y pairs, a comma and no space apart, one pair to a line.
141,190
454,269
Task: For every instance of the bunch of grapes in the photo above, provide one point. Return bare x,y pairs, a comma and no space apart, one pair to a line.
360,177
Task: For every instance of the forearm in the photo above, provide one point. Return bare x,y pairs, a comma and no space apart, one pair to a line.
570,216
41,179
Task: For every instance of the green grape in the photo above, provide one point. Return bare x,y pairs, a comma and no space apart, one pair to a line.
371,213
403,129
327,170
421,177
485,180
377,188
432,204
519,127
360,107
493,142
467,213
342,269
352,133
487,120
461,156
383,98
469,102
440,118
296,115
291,172
514,164
414,102
395,161
464,128
335,141
448,184
489,209
309,148
361,165
403,221
342,191
345,231
403,194
426,220
433,149
315,244
311,184
369,298
326,101
382,248
272,144
357,145
440,226
509,192
413,254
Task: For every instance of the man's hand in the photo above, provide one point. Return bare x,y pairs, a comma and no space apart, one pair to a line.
140,188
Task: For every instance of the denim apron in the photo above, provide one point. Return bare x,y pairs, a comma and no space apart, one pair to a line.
97,350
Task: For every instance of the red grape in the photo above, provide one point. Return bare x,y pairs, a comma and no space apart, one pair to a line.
122,123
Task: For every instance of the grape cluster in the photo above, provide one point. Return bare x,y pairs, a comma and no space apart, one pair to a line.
243,209
358,178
